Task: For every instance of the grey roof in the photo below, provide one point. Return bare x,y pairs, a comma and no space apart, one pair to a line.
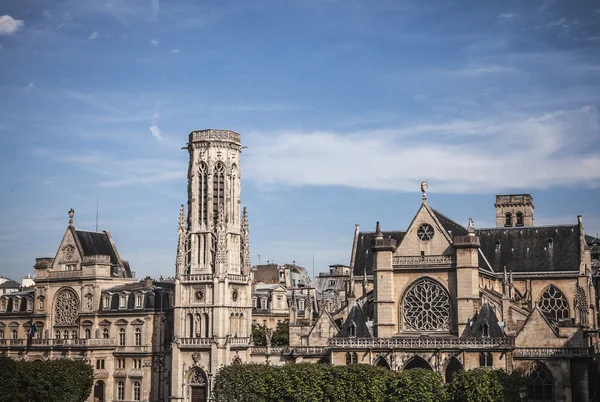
357,318
449,225
363,258
531,249
10,284
486,316
96,243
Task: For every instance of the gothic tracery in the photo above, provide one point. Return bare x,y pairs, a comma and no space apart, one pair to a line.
426,307
67,307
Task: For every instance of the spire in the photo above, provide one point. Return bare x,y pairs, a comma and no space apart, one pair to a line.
378,234
424,187
71,215
182,232
181,218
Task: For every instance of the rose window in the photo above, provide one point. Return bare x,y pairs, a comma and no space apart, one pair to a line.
554,304
67,307
425,232
426,307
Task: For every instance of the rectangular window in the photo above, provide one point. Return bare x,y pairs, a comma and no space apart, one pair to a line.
138,301
123,301
106,302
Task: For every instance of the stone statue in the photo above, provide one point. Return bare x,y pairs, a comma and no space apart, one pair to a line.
424,187
471,227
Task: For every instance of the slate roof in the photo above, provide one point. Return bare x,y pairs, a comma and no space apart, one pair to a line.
10,284
531,249
96,243
154,303
362,257
486,315
357,318
449,225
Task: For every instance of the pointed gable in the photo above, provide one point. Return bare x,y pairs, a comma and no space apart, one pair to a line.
69,250
485,324
355,325
323,329
536,328
440,242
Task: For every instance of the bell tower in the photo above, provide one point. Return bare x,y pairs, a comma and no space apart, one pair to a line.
213,303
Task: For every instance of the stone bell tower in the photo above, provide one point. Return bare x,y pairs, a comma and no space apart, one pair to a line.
213,302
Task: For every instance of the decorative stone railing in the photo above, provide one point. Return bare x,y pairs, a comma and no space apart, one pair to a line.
44,262
237,278
132,349
208,135
261,350
65,274
188,342
136,373
305,350
552,352
424,260
427,343
239,341
119,373
58,342
197,278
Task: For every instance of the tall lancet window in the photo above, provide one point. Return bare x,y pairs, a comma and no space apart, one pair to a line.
218,189
203,192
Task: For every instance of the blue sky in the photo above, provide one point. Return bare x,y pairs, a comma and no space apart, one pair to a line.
345,106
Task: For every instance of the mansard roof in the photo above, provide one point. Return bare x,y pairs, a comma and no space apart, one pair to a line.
362,257
97,243
531,249
486,316
357,318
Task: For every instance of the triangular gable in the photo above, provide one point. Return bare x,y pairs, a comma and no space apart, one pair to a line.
278,288
104,322
69,250
323,329
137,321
538,327
440,244
355,325
121,322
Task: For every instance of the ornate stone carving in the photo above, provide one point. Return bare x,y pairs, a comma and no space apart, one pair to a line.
197,377
182,232
554,304
196,357
67,307
245,252
220,238
426,307
68,252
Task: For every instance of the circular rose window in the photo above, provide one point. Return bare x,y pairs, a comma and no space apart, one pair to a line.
425,232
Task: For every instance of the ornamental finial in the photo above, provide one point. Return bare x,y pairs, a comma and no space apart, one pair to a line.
471,227
71,215
424,187
378,234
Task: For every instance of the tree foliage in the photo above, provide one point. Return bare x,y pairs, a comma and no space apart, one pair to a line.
306,382
279,337
60,380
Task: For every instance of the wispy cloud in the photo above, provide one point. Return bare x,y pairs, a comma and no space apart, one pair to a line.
507,16
473,71
154,42
174,51
156,133
533,149
9,25
93,35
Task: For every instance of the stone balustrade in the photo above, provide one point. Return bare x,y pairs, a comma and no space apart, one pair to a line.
425,343
551,352
424,260
82,343
194,342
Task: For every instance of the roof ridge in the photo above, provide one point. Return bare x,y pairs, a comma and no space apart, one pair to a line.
530,227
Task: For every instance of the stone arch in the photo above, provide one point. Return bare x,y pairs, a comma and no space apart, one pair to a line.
453,366
197,385
382,362
425,306
553,302
541,387
416,362
66,307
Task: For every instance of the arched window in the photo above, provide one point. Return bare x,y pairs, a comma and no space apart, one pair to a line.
88,333
57,335
137,391
15,334
122,337
355,358
105,333
426,307
519,219
120,391
206,325
66,307
191,325
485,330
73,334
486,359
541,387
508,219
554,304
348,358
218,189
66,334
138,337
203,191
352,329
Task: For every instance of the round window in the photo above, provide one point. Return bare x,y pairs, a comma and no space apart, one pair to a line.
425,232
199,295
234,295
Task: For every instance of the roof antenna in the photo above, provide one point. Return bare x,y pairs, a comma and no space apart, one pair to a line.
96,212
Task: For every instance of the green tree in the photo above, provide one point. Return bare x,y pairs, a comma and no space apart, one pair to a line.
281,335
258,334
477,385
419,385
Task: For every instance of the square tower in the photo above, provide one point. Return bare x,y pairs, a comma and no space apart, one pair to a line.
514,210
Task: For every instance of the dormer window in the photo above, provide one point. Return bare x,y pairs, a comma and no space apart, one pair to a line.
519,219
123,301
254,302
2,305
16,302
485,330
106,302
300,305
352,330
263,303
508,220
139,300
